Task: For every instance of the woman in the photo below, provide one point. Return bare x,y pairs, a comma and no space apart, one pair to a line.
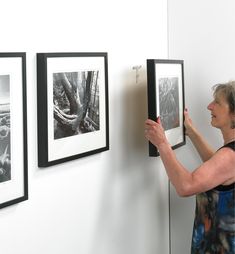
213,182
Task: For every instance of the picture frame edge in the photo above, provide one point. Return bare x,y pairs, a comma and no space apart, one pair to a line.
43,160
153,151
25,195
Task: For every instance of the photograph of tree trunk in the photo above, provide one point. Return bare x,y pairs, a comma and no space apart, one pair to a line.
76,103
73,106
5,146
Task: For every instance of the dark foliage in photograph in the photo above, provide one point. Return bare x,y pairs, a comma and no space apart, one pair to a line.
169,102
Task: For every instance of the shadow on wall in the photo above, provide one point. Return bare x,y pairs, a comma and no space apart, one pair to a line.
135,113
132,199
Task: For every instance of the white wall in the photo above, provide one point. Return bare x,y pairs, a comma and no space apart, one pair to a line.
115,202
201,33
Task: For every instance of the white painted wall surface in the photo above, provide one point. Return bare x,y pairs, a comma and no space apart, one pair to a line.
114,202
201,33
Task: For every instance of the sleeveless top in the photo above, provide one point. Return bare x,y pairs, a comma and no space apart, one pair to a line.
214,223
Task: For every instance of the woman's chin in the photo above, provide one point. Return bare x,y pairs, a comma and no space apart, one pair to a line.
214,125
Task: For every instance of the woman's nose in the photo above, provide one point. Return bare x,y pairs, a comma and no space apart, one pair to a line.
209,107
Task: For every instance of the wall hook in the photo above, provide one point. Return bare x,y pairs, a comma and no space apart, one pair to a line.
136,68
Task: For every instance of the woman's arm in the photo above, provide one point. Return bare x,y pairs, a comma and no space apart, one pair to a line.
217,170
203,148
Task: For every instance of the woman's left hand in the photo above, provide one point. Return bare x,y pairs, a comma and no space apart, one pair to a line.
154,132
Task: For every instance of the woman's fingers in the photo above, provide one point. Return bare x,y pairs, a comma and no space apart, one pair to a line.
186,115
153,125
154,131
151,122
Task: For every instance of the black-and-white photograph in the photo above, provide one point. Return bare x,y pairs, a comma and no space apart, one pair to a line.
5,129
76,103
169,102
73,106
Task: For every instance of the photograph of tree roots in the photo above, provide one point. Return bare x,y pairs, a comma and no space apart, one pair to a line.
76,103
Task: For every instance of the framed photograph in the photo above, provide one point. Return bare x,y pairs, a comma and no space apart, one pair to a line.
166,99
13,129
73,112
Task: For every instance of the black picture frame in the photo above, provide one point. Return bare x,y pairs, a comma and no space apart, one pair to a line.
13,129
73,107
166,98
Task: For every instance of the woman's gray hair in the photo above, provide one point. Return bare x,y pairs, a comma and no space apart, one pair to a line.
228,90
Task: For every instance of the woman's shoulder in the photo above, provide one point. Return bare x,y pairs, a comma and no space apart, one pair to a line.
228,149
227,157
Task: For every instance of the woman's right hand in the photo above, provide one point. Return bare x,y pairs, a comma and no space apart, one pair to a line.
154,132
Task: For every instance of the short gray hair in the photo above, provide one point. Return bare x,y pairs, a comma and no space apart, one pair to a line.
228,90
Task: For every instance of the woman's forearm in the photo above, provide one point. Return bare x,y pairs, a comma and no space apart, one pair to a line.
203,148
180,177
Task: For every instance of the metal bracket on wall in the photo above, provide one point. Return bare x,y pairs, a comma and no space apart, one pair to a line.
137,68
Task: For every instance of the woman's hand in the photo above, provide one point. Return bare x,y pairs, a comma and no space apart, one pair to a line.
154,132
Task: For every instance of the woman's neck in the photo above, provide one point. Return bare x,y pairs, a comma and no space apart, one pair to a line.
229,136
